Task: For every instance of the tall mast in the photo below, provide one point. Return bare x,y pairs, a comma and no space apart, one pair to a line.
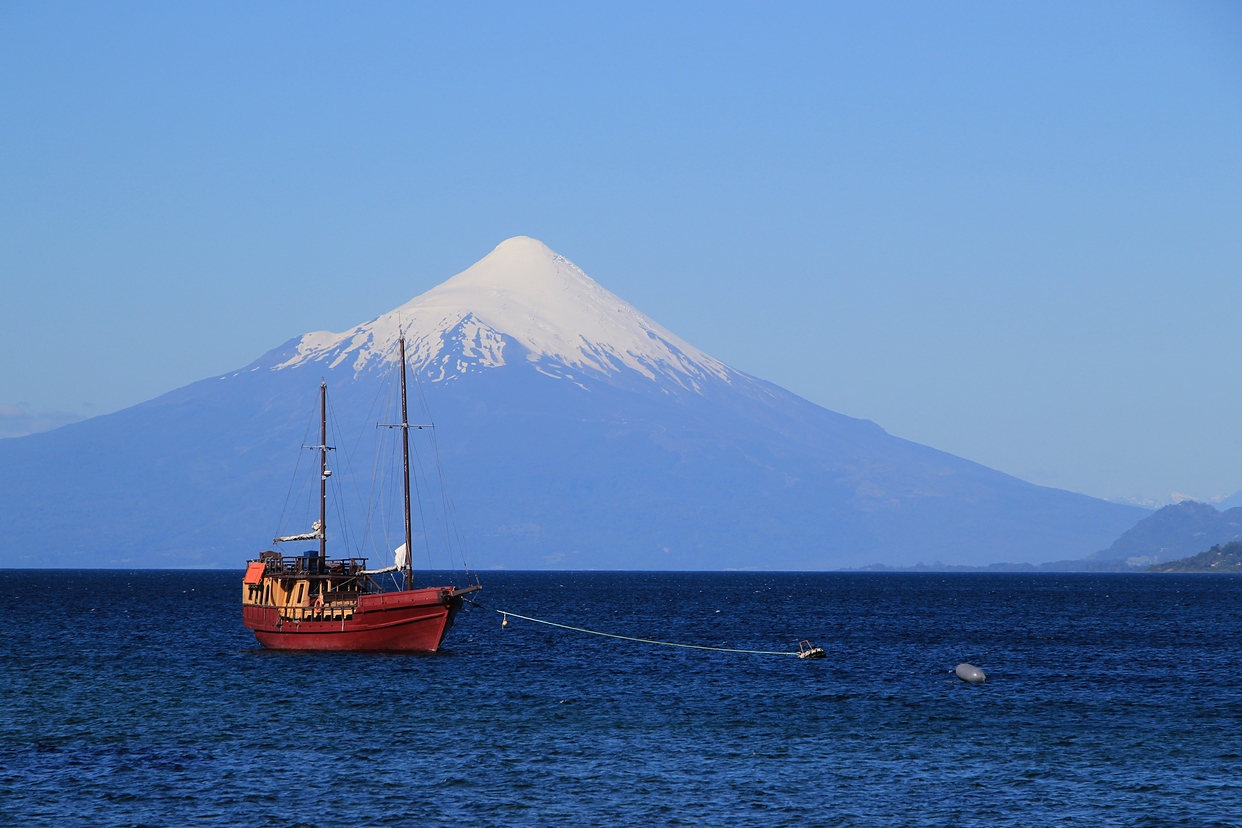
405,455
323,476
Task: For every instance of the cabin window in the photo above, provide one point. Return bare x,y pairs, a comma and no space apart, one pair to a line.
301,593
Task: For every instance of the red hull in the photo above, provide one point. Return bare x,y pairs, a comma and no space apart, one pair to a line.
411,620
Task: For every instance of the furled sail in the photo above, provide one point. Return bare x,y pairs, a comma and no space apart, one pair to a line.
315,534
400,557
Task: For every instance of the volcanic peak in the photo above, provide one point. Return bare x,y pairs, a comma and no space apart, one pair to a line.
527,293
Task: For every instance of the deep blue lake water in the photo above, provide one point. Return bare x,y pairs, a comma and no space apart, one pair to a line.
137,698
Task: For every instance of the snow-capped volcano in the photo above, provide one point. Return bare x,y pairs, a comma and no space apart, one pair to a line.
525,294
578,433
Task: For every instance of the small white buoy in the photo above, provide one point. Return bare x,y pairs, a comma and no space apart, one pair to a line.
504,620
970,673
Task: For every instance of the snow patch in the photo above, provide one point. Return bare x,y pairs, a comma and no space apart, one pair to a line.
524,292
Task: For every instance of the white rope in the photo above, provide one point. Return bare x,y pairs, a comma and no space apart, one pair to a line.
632,638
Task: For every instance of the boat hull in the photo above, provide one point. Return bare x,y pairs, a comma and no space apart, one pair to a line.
406,621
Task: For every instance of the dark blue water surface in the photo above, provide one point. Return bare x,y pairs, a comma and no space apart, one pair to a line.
137,698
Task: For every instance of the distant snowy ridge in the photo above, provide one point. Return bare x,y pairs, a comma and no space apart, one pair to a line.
524,292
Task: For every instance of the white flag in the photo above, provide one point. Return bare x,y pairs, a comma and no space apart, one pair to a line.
401,557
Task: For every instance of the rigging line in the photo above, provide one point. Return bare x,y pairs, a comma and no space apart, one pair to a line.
455,524
633,638
448,544
418,460
374,400
367,507
422,520
339,490
336,492
450,525
392,496
387,495
370,504
450,521
294,479
379,473
308,496
461,538
343,535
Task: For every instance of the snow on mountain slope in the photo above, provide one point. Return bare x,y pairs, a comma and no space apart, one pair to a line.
525,293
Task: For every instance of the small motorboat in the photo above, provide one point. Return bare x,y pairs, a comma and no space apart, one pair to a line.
808,650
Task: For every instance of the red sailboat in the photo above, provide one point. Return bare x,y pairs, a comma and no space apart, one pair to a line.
313,602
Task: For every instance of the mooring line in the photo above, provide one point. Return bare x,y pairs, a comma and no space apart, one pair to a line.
632,638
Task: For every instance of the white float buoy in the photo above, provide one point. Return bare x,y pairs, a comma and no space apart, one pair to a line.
504,620
970,673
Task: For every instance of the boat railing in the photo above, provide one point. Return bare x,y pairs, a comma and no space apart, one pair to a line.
308,566
336,610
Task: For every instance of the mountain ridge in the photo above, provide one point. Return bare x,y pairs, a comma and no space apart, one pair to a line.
1175,531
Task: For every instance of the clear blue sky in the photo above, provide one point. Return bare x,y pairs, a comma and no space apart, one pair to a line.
1012,231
